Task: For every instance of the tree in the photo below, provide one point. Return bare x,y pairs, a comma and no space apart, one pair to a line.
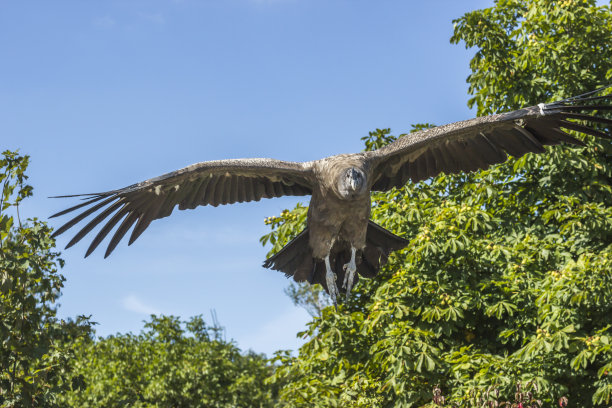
508,274
169,364
35,359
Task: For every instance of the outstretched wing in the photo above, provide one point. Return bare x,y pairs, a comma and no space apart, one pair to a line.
212,182
478,143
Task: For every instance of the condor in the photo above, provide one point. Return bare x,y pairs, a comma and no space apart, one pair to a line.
340,243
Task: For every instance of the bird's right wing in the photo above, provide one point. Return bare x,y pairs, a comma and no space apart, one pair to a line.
207,183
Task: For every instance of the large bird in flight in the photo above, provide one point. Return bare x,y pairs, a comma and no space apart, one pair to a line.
339,235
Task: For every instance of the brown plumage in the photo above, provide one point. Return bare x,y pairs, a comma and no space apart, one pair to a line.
339,236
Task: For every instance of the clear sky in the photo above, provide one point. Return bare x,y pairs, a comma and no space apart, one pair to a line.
104,94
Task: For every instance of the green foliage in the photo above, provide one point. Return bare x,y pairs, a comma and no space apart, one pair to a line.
535,51
34,353
508,274
169,364
378,138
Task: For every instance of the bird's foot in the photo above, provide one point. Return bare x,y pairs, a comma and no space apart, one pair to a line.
349,273
349,276
330,279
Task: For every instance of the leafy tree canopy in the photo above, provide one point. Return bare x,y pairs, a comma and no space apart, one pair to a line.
169,364
508,274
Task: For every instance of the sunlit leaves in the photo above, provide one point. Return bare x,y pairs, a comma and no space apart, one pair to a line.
535,50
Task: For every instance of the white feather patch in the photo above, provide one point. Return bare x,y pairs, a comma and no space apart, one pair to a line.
541,106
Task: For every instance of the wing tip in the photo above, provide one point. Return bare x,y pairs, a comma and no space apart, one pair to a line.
85,195
586,94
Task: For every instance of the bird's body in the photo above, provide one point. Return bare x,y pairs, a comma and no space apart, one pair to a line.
338,216
336,211
339,235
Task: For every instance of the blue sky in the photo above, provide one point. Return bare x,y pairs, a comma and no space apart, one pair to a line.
105,94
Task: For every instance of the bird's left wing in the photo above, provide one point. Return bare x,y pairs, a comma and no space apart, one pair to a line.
207,183
478,143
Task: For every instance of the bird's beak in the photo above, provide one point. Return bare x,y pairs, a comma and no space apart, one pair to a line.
355,180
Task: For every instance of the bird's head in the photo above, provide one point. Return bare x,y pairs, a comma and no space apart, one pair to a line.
352,183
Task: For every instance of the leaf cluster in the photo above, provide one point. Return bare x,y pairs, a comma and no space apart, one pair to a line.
535,51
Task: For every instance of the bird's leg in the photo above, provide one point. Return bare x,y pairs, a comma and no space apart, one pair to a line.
349,275
330,278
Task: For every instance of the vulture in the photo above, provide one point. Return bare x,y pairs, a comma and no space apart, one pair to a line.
339,242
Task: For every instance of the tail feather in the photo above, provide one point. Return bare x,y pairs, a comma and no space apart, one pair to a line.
293,255
379,245
295,259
